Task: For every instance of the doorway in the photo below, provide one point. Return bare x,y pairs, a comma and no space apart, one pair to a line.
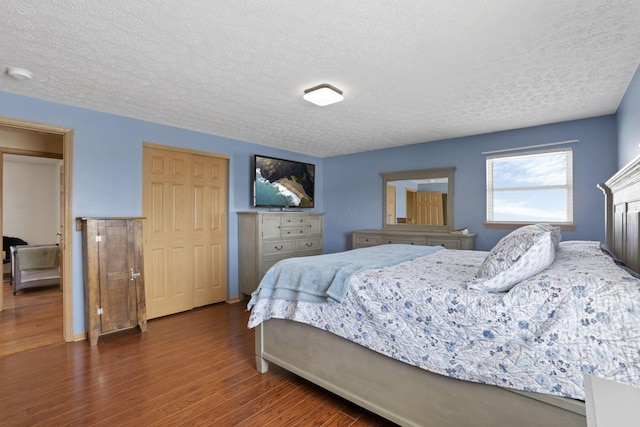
16,136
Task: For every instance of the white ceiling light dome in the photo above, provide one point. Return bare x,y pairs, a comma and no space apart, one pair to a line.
323,94
19,73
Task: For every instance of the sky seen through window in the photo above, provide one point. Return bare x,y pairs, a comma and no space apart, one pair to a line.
530,188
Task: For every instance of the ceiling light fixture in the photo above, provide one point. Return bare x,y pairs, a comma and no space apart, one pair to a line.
323,94
19,73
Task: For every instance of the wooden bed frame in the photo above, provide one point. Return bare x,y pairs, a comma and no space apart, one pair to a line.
410,396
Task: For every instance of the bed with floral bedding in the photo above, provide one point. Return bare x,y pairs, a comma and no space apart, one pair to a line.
579,315
457,338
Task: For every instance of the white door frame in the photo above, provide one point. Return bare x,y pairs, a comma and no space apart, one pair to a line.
68,223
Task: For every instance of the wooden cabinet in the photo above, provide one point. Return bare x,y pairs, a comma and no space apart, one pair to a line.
265,238
364,238
113,281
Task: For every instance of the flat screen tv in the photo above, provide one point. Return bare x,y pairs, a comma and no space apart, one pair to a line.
280,183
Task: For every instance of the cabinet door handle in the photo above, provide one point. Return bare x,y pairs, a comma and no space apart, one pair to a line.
134,276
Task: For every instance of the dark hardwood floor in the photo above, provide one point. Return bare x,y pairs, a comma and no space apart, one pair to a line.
32,318
194,368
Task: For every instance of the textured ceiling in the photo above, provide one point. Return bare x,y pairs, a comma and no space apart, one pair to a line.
411,71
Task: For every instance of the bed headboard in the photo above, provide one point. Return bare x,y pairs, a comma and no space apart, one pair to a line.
622,213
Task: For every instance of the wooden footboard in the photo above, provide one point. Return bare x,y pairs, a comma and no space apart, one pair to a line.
404,394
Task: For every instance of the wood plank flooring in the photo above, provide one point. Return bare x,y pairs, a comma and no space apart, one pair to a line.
32,318
194,368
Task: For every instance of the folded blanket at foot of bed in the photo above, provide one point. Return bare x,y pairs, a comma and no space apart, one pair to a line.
323,277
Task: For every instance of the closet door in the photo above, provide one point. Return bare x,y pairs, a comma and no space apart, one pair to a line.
429,208
166,204
209,229
185,203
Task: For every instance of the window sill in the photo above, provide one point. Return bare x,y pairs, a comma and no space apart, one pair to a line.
513,225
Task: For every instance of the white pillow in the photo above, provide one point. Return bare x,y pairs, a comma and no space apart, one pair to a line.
519,255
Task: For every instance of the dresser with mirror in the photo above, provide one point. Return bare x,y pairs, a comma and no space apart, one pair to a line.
417,210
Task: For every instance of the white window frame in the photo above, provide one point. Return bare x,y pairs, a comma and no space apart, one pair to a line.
568,186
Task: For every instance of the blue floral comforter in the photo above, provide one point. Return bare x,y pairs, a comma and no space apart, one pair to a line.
580,315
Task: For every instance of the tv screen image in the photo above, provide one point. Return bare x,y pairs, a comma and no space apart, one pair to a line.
283,183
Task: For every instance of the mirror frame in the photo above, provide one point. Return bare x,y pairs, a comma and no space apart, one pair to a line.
446,172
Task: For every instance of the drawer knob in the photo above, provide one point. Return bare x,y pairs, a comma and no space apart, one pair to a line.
278,248
309,244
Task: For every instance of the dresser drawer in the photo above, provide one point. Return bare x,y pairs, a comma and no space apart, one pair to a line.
294,220
310,244
295,225
277,247
446,243
404,240
294,232
366,240
301,226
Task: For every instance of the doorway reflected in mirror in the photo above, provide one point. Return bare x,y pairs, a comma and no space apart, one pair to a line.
418,199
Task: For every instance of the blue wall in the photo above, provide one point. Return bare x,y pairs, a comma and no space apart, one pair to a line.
629,123
353,186
107,170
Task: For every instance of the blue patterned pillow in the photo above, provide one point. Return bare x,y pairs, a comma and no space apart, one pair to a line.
517,256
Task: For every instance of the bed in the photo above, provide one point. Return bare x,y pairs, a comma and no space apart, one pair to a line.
577,311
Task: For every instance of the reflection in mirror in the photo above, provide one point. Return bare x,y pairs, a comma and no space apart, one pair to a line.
419,199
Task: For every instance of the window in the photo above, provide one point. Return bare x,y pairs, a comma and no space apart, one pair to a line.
530,187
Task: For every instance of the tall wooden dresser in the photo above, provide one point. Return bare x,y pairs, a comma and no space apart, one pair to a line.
265,238
113,282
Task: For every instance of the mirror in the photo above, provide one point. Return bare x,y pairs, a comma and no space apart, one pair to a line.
418,200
